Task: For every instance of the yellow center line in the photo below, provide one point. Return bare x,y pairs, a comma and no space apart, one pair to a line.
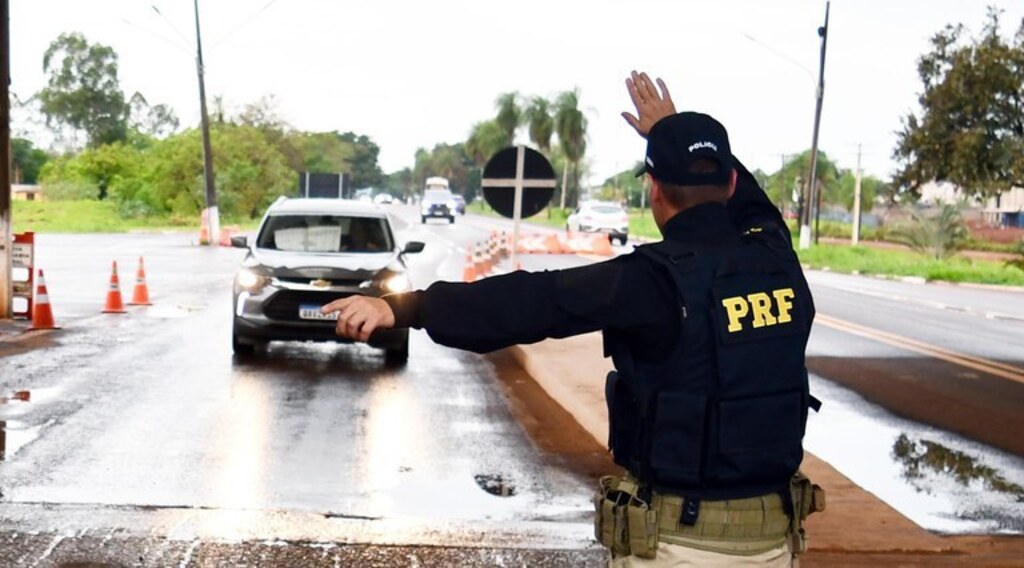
996,368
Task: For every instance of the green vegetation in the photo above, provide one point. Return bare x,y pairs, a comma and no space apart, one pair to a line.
969,129
90,216
865,260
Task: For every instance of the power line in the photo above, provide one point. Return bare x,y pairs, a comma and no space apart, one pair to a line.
169,23
779,53
244,23
158,36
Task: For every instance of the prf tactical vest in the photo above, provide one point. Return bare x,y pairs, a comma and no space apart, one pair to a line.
723,415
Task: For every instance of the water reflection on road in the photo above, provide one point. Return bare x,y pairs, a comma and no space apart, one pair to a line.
941,481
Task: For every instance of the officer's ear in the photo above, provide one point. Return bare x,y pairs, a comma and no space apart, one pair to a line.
732,182
655,189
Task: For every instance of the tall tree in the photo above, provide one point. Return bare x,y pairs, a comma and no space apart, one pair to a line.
510,115
364,169
541,124
790,178
571,126
485,140
158,121
971,127
82,91
26,161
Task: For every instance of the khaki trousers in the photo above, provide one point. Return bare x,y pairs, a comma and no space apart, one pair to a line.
673,555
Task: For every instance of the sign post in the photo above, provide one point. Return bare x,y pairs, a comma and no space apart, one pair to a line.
518,182
23,274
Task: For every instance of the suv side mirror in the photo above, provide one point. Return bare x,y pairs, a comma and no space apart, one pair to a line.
413,247
240,241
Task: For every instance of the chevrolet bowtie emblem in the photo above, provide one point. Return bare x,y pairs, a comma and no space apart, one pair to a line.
320,283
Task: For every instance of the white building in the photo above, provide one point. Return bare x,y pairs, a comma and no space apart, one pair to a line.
1004,210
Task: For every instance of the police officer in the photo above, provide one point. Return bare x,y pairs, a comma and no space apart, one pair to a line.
707,331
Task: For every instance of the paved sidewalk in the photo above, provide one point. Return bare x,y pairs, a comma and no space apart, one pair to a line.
857,529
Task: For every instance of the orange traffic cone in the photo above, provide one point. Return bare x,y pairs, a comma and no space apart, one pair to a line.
204,229
469,272
42,315
140,294
602,245
115,305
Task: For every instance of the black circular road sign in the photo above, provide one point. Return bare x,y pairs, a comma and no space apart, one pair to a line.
500,180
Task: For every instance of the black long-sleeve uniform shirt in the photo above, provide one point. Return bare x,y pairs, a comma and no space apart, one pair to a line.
627,294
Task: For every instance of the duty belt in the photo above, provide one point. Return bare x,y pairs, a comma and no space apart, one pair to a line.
736,526
631,519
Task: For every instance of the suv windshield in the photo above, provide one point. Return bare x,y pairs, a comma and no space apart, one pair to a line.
437,196
325,233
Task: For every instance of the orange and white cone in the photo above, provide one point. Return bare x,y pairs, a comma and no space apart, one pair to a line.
115,304
469,272
42,314
140,294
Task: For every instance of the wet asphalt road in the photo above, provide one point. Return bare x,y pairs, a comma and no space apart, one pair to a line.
146,443
144,429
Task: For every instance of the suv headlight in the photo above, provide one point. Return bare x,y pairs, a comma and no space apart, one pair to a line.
251,280
396,283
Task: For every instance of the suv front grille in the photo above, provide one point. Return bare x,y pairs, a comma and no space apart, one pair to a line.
284,305
339,282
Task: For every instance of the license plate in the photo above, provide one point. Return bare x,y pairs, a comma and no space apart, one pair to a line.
312,312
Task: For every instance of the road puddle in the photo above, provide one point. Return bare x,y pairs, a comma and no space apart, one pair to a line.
495,484
941,481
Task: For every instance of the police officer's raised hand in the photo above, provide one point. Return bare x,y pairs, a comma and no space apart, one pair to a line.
651,105
359,316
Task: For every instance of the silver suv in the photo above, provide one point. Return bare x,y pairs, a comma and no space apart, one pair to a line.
307,253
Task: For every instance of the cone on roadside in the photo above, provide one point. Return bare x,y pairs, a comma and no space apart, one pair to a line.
115,304
469,272
42,314
602,245
140,294
204,228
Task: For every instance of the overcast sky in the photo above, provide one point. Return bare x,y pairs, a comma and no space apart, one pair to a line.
411,73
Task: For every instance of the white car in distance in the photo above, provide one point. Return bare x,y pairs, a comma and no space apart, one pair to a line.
600,217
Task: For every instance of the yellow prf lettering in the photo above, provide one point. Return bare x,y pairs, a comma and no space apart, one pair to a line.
783,297
736,308
762,306
758,306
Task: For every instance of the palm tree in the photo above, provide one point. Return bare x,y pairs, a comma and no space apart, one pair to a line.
541,124
571,126
485,140
510,116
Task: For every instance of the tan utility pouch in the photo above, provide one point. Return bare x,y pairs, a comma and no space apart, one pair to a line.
808,498
623,522
643,528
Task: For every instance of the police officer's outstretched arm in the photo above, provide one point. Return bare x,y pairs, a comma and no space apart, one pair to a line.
360,316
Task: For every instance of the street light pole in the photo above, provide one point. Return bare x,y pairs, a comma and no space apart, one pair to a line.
213,216
6,286
812,187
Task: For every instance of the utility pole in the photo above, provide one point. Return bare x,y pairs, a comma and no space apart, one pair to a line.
212,214
6,291
855,236
812,189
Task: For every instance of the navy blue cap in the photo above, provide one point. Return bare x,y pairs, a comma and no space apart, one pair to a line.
675,142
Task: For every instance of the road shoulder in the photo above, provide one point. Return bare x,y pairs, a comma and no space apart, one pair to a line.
856,524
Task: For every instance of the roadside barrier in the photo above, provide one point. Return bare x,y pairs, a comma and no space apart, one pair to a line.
115,304
140,294
565,243
226,233
42,314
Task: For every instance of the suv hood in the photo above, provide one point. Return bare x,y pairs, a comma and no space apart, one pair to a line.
313,265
